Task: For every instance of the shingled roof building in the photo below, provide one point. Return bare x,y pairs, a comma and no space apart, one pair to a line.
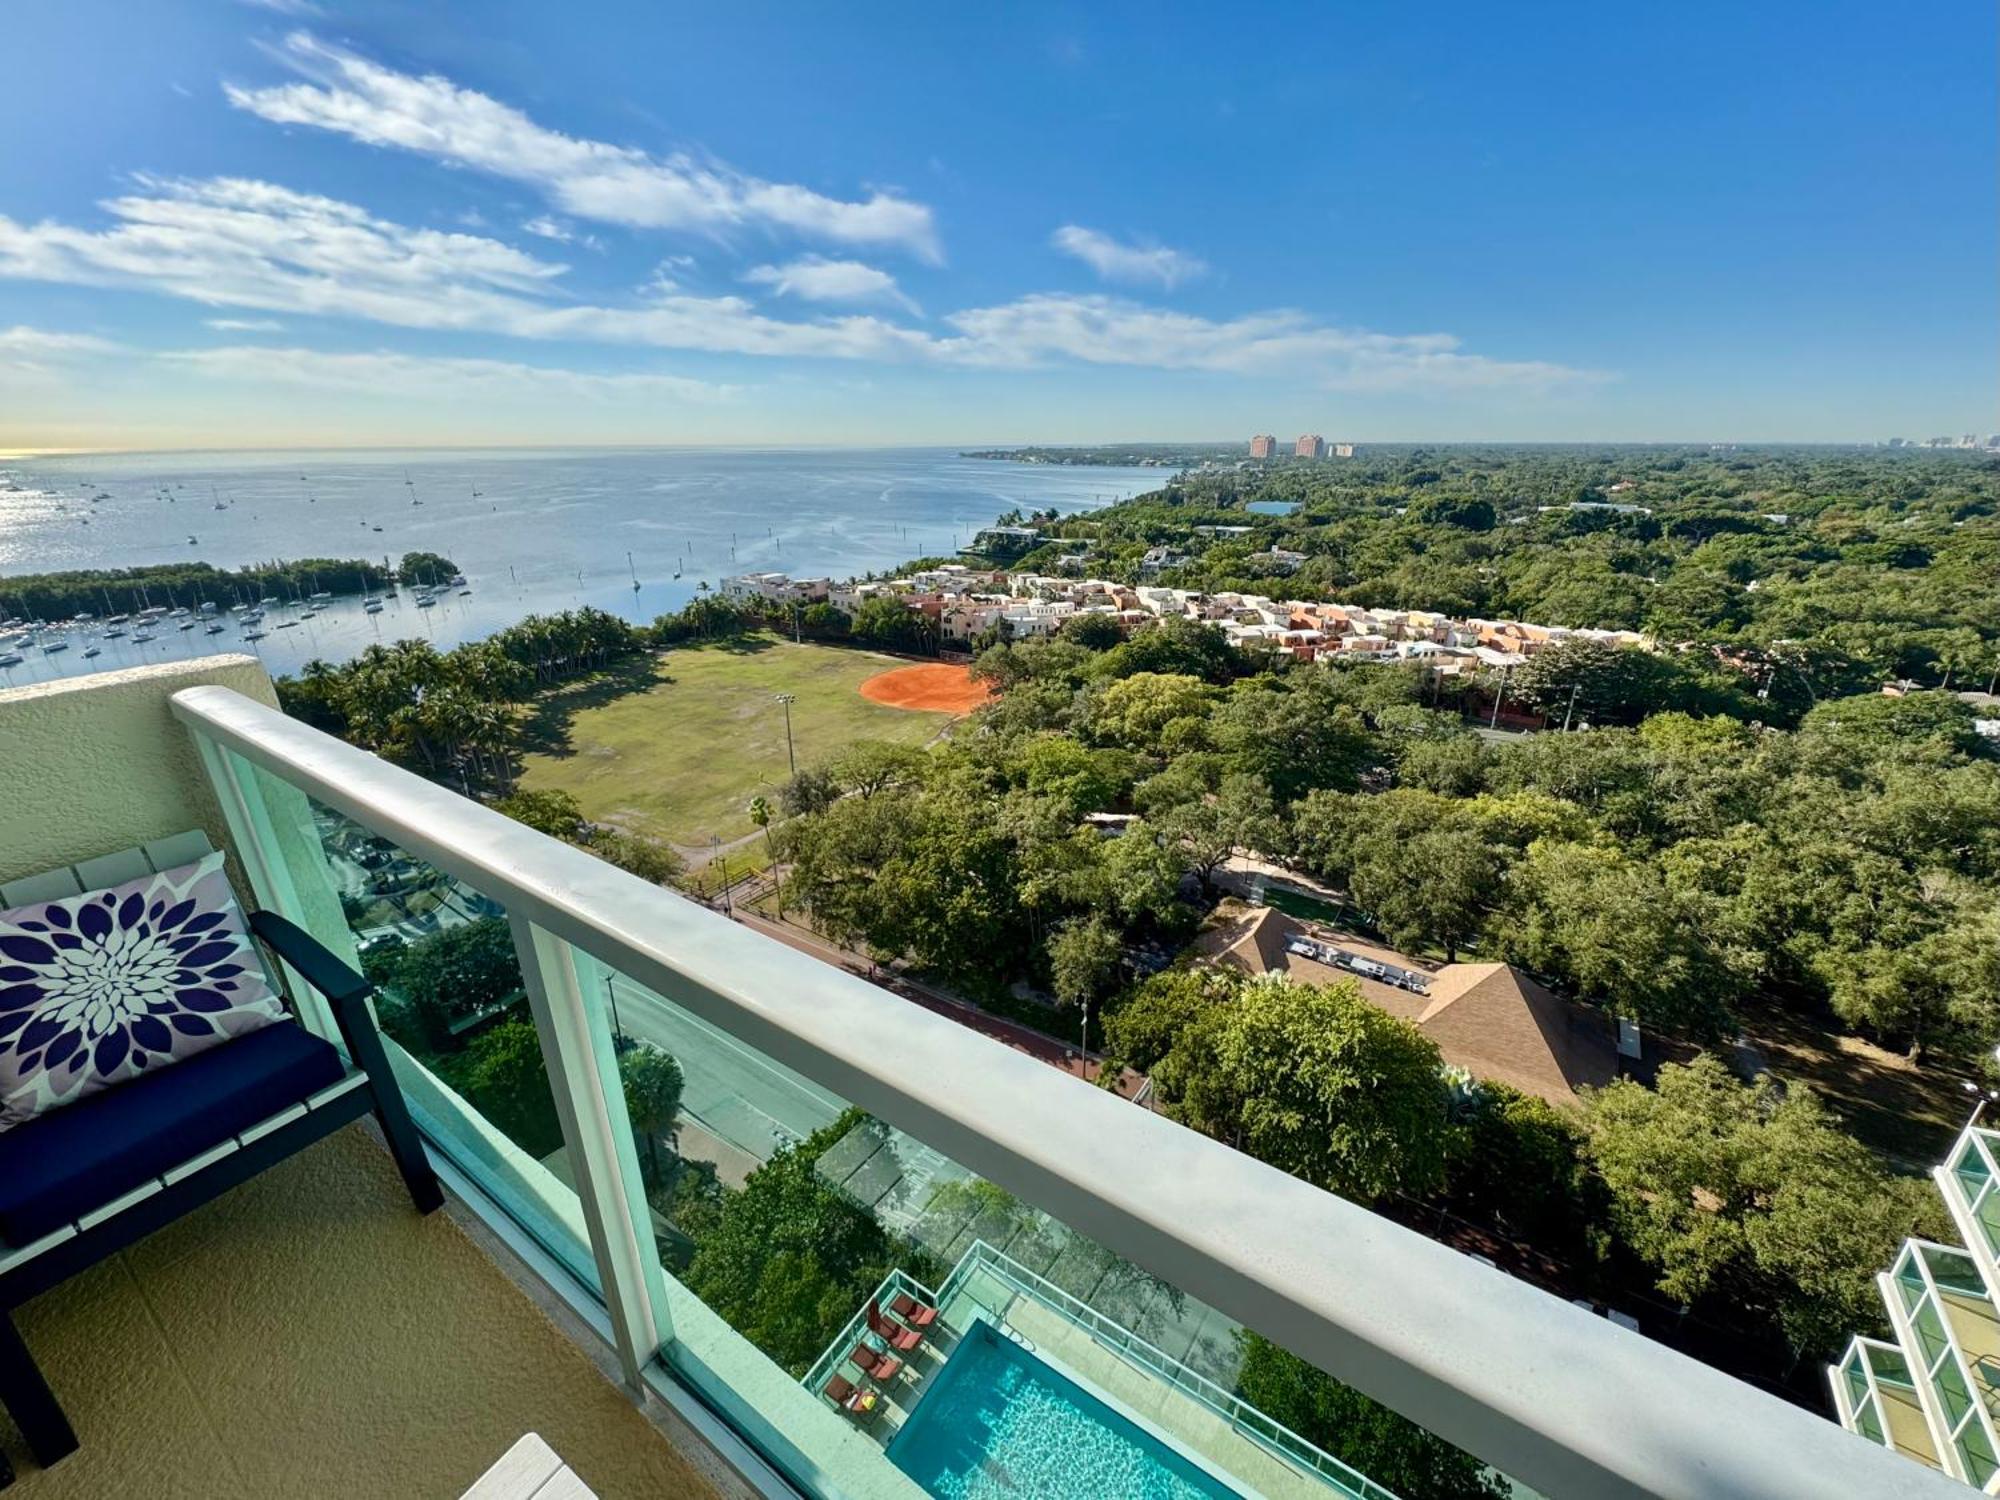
1490,1019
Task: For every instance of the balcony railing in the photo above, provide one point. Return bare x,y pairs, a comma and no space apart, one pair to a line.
1557,1398
1239,1415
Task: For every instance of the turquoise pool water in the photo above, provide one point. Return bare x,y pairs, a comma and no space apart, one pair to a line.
1272,507
996,1423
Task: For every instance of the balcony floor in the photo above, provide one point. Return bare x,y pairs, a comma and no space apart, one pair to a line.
309,1334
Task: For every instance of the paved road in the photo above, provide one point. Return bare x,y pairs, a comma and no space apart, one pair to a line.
732,1091
1036,1044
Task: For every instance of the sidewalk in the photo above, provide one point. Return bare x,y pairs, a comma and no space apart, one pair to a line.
1036,1044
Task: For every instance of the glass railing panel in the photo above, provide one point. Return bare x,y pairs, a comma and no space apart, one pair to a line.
790,1224
1929,1329
1908,1279
1968,1166
450,999
1856,1381
1954,1271
1986,1214
1953,1391
1975,1449
1889,1367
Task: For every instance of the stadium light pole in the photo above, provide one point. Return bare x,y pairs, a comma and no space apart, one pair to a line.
791,756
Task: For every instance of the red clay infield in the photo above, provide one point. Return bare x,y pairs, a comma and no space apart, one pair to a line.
935,687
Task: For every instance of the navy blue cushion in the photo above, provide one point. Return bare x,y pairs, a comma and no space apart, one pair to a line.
61,1165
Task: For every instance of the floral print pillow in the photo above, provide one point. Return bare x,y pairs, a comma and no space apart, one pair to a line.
98,989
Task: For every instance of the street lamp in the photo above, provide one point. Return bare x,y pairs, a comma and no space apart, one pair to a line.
620,1042
1982,1093
790,754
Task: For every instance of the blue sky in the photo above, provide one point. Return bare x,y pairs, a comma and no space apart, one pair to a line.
354,221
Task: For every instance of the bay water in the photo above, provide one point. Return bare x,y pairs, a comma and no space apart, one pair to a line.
534,530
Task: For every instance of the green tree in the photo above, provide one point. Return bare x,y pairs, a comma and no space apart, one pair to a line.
760,817
1466,513
1207,831
1433,890
885,620
1751,1196
1394,1452
1094,631
1176,647
653,1083
426,567
1314,1080
866,767
1148,1022
1138,711
1607,926
448,975
647,858
811,790
1086,780
1938,989
555,813
1142,877
1295,738
1519,1161
788,1259
507,1080
1084,955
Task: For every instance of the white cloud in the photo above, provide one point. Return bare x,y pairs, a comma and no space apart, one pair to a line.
1120,262
239,243
1110,331
245,325
430,377
287,7
24,342
434,117
814,278
244,244
549,229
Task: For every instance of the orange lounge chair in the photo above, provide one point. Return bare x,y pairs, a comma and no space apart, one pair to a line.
846,1395
869,1360
902,1340
911,1311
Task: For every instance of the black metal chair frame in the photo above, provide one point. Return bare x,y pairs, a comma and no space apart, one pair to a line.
23,1390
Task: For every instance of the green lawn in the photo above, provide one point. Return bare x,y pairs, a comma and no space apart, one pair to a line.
679,757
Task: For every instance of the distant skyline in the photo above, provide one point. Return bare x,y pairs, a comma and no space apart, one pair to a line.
273,223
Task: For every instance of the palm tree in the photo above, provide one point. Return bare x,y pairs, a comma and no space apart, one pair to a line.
760,814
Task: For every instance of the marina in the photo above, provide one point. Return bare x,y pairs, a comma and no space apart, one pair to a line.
635,532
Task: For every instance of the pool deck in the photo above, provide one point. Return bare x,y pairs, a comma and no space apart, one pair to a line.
974,1293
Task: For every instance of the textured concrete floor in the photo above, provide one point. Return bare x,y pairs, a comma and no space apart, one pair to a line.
308,1334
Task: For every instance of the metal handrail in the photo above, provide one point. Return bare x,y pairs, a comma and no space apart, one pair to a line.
836,1352
1550,1394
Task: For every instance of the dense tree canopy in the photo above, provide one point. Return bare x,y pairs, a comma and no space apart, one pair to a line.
1750,1195
786,1259
1394,1452
1316,1080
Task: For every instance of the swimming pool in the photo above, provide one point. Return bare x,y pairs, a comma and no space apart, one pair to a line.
997,1423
